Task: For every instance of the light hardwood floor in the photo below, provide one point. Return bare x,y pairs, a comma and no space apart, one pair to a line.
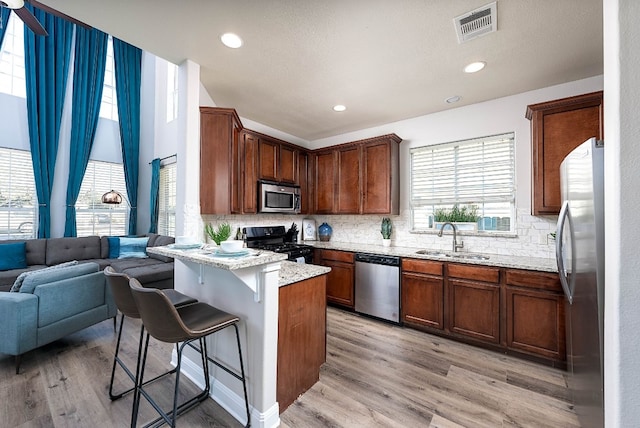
376,375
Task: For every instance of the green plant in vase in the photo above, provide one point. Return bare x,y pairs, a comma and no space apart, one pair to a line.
385,230
219,234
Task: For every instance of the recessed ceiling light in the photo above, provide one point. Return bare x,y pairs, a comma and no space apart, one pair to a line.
339,107
453,99
475,67
231,40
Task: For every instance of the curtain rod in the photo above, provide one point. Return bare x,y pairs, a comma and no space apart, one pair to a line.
167,157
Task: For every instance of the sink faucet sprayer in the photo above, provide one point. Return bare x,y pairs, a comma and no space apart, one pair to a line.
455,241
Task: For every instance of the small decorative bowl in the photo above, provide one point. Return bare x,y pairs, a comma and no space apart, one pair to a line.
231,246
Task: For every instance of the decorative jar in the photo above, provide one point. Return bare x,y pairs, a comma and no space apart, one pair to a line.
324,232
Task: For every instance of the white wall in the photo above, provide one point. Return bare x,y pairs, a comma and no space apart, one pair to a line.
622,204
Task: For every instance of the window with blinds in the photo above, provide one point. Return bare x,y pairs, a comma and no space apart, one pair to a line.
92,216
167,200
172,92
476,173
18,200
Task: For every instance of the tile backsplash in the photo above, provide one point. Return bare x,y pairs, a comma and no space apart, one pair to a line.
531,237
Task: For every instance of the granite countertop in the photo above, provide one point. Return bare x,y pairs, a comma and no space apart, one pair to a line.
206,256
291,272
516,262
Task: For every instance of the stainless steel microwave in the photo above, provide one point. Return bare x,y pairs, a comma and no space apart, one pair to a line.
278,198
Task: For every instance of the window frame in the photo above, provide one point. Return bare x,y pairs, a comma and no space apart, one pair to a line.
457,183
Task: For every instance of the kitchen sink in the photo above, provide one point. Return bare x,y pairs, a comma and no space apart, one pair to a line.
467,256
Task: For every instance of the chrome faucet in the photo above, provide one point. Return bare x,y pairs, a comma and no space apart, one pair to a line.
455,240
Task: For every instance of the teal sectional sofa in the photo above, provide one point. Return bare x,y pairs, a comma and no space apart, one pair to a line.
51,304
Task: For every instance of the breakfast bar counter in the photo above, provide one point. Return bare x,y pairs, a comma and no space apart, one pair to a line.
246,285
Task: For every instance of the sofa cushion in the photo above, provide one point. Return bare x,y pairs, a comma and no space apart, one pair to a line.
13,256
8,277
161,241
64,249
120,265
133,247
36,250
43,276
114,247
151,273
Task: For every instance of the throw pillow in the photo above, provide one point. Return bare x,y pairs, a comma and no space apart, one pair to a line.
133,247
114,247
13,256
17,285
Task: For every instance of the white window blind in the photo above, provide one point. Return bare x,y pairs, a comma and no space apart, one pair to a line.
18,199
172,92
167,200
92,216
478,172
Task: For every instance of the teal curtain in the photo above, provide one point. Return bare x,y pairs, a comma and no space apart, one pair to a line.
128,67
46,71
4,21
88,81
154,208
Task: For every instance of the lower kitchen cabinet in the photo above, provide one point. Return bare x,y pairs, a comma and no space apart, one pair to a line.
341,279
535,314
474,301
516,311
302,321
422,294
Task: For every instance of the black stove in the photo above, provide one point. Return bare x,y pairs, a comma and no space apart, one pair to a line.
272,238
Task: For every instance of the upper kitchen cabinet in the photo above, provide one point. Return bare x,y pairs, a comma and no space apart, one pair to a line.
219,161
278,160
557,127
360,177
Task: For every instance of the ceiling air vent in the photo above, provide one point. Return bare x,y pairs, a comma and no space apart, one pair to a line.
476,23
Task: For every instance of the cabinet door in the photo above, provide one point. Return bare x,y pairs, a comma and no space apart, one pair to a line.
288,171
303,182
377,177
249,175
474,309
423,300
268,165
557,127
536,322
325,182
340,283
348,196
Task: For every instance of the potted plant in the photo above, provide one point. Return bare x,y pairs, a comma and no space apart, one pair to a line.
385,230
465,217
219,234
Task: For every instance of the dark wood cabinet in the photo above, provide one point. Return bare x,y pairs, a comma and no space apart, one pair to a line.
347,197
268,150
474,301
278,161
324,182
220,192
249,175
341,279
301,337
288,167
535,314
304,181
360,177
557,127
510,310
422,293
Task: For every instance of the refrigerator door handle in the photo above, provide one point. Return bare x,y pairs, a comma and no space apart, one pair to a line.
568,282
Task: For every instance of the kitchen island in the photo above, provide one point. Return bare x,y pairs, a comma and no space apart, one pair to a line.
248,287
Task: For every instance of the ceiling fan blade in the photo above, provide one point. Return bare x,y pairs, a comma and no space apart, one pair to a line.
31,21
57,13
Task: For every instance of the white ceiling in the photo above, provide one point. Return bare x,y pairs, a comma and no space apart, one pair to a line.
385,60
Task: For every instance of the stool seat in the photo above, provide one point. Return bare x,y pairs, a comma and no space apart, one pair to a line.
181,325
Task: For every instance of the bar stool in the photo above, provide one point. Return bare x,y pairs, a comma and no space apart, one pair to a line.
183,325
119,284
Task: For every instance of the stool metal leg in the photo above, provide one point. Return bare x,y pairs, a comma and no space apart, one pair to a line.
244,380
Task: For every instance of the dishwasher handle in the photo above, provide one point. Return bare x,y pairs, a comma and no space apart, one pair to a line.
378,259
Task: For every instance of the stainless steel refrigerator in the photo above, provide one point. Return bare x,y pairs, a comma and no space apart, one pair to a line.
580,256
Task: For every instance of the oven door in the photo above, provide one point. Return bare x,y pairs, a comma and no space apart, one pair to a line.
275,198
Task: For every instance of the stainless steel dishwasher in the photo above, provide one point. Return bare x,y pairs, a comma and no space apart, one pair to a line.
378,286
